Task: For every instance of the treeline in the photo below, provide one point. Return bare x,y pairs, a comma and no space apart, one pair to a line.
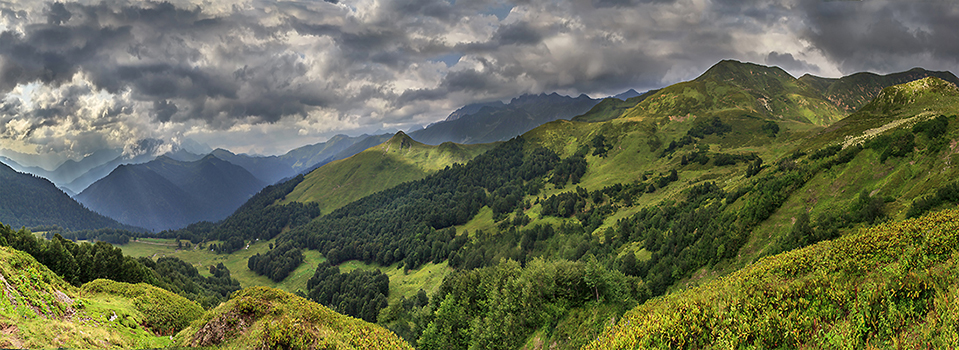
278,262
359,293
79,263
395,225
182,278
109,235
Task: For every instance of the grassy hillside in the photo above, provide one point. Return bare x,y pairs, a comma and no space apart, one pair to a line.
854,91
40,310
894,285
748,88
261,317
399,159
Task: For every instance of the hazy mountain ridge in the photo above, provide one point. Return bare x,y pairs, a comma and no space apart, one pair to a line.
166,193
491,122
29,200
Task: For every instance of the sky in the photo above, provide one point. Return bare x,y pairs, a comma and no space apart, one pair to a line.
264,77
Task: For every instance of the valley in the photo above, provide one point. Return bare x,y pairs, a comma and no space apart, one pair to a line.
745,200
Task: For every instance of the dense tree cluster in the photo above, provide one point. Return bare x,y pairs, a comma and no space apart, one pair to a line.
359,293
700,129
570,169
682,236
278,262
109,235
723,159
946,194
496,308
708,126
182,278
77,263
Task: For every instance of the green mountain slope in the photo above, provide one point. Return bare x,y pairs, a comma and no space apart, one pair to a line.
894,285
266,318
40,310
399,159
734,87
28,200
854,91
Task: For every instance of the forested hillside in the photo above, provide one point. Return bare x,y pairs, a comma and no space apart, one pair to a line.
31,201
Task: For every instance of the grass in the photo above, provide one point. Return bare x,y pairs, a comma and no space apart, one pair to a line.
40,310
261,317
236,262
894,285
398,160
428,277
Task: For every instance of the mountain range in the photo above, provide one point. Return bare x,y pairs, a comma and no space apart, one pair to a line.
496,121
166,193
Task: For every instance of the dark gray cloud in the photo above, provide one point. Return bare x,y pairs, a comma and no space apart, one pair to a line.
788,62
884,36
143,69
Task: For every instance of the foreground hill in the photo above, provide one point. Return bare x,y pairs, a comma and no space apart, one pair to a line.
166,193
40,310
399,159
28,200
266,318
894,285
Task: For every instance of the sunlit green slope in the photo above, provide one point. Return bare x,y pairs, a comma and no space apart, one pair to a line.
891,286
399,159
731,86
39,310
266,318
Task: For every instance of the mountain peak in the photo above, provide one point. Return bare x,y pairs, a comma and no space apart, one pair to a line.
399,141
735,70
907,93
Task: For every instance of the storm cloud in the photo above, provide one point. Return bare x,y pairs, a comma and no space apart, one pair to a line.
266,76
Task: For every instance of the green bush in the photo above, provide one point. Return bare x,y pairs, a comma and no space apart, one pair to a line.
164,313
